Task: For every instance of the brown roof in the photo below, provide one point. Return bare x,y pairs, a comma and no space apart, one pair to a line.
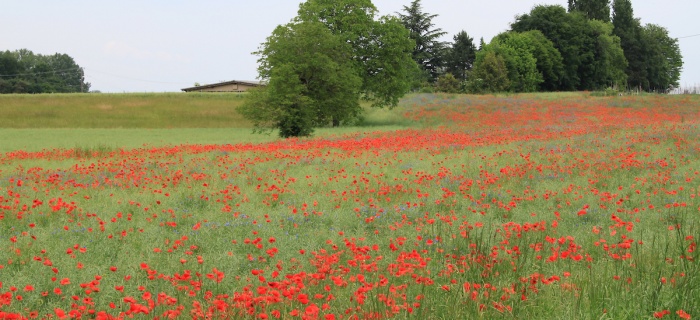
214,85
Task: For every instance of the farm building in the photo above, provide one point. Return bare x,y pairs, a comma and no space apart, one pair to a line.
228,86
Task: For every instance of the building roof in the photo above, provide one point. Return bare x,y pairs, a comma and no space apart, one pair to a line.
214,85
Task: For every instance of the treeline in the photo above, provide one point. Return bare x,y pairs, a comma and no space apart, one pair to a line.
590,45
23,71
334,54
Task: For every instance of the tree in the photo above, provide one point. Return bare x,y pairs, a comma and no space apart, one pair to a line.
663,56
629,30
589,50
516,51
22,71
592,9
380,48
10,69
448,83
429,52
321,64
312,81
460,58
560,28
490,74
608,68
549,60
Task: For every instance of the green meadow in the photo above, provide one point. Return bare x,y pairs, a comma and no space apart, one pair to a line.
132,120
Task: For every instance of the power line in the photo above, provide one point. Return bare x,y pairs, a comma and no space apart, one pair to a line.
38,73
136,79
92,70
695,35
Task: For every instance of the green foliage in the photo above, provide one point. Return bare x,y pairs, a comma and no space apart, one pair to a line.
22,71
320,65
429,53
592,9
448,83
664,58
379,48
562,29
312,81
610,62
655,60
517,52
590,52
549,61
630,32
608,92
490,74
460,58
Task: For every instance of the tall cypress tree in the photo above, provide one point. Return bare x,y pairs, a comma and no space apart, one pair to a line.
630,32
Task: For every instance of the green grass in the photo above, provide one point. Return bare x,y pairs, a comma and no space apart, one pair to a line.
38,139
129,110
89,121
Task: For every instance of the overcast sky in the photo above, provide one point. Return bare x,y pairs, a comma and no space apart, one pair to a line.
158,46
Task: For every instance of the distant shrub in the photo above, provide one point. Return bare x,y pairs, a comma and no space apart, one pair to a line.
447,83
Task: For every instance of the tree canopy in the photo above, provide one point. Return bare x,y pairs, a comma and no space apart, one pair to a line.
429,52
549,61
591,53
336,53
629,30
655,60
516,51
592,9
320,65
23,71
664,58
460,58
490,73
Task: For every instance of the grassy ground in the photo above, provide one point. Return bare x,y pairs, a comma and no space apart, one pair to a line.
113,121
450,207
133,110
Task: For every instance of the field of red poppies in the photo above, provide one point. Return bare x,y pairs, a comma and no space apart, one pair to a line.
489,207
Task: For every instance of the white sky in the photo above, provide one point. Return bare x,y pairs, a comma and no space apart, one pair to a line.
159,46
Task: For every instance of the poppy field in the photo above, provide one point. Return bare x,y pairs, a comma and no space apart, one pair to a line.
507,207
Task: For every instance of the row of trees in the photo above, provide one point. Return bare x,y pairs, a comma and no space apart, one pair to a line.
336,53
23,71
550,49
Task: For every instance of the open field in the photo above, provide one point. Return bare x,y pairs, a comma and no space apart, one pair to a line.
451,207
129,110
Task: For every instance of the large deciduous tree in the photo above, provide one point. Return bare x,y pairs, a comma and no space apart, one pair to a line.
560,28
429,52
319,66
548,60
609,63
664,58
516,51
590,52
